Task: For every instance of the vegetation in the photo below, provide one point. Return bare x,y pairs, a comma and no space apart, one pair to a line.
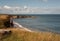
21,35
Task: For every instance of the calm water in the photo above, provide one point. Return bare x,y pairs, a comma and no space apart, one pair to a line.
41,23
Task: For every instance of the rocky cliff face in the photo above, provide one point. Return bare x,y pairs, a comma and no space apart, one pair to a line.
5,19
24,16
5,16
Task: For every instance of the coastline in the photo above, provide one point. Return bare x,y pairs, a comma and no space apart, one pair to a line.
20,33
18,26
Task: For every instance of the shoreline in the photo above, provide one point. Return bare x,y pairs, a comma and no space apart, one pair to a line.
21,27
26,29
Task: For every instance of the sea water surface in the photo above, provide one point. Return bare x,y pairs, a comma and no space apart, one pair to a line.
46,22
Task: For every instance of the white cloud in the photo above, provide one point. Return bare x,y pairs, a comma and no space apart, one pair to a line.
25,7
29,10
6,7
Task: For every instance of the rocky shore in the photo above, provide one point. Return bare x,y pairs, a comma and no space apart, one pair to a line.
4,16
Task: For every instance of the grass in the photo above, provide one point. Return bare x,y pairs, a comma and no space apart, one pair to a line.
21,35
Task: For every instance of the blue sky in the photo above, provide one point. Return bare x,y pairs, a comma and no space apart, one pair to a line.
30,6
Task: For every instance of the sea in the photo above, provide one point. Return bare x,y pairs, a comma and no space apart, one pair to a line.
41,22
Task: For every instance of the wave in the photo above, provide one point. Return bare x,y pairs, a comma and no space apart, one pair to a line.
20,26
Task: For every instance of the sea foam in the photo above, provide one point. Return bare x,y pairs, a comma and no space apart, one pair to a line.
20,26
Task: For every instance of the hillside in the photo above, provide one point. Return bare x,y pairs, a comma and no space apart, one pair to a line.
22,35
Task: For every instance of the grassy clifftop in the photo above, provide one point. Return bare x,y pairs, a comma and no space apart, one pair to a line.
21,35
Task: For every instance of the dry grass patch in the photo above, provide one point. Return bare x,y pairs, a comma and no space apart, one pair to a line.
21,35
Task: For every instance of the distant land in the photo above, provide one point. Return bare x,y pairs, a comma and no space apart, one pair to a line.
29,14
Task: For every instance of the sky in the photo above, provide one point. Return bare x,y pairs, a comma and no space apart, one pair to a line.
30,6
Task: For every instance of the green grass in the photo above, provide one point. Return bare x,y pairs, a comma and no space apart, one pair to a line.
20,35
